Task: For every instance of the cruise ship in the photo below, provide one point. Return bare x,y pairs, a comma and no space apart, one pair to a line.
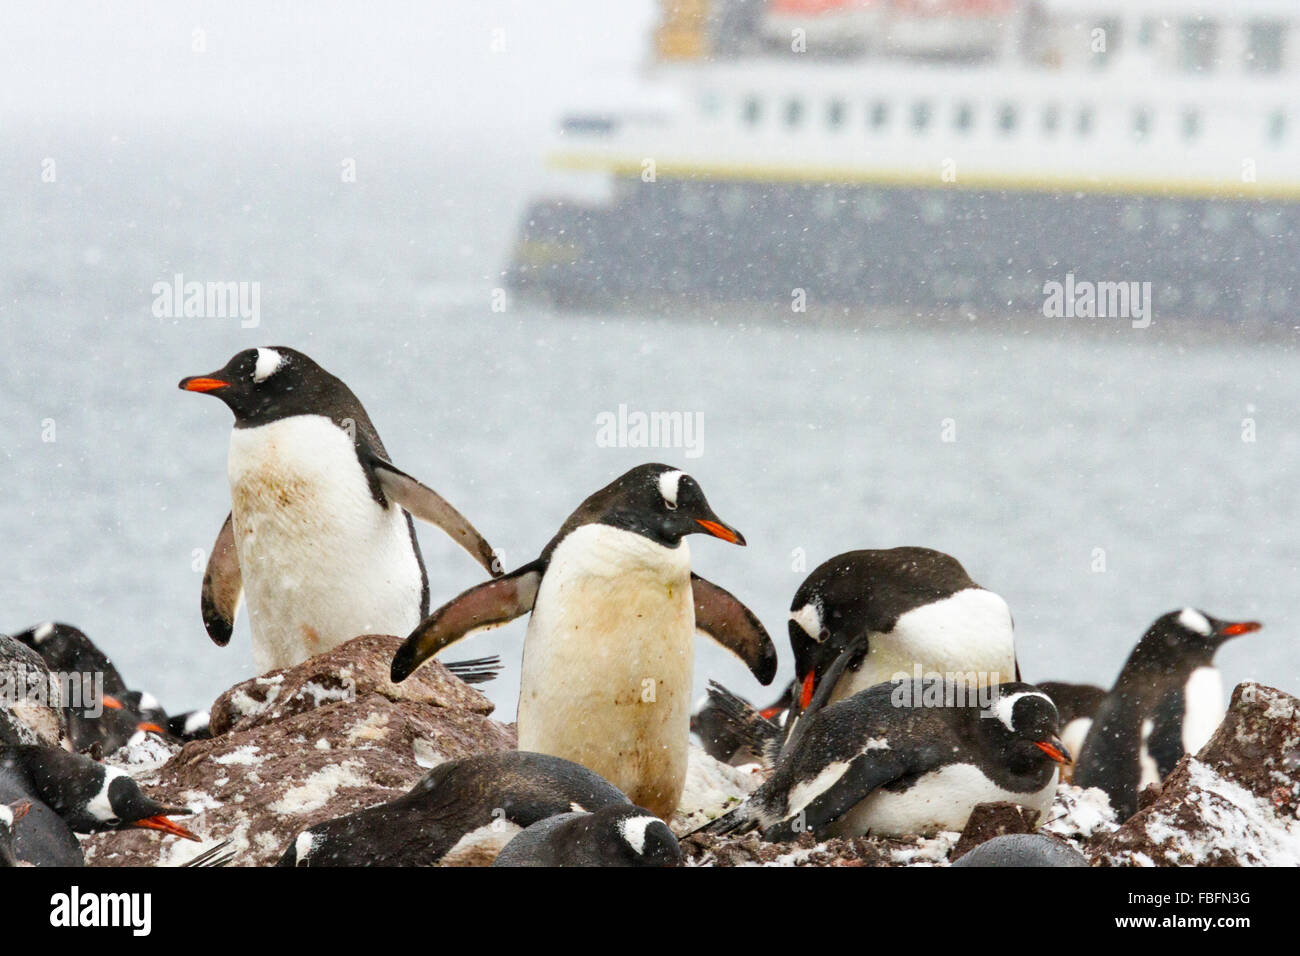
937,155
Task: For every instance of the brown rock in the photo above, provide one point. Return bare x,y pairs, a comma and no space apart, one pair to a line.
989,820
1233,804
285,762
350,671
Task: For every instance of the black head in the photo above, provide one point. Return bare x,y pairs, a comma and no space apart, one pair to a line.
1023,726
127,807
659,502
266,384
1187,638
858,592
632,836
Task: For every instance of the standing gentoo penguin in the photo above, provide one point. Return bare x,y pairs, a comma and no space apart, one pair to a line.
909,607
886,762
1136,720
614,836
320,536
609,653
70,793
462,813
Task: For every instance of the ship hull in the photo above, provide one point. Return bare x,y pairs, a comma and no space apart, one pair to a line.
909,247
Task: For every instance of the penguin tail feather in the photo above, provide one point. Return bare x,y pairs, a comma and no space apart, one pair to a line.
758,735
218,854
476,670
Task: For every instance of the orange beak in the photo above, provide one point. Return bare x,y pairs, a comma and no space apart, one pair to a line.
19,810
1239,627
719,530
166,826
1055,750
768,713
112,703
806,693
201,383
153,728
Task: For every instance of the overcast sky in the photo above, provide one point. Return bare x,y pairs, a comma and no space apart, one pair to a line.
430,63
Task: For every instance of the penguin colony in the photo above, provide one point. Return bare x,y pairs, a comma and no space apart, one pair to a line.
320,546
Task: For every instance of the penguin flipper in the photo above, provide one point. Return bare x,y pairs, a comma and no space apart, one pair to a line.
223,586
487,605
723,618
426,504
870,770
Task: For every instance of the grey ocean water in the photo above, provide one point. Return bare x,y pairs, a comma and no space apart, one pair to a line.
821,433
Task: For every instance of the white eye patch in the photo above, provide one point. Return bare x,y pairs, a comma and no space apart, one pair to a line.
669,482
1004,707
43,632
1194,621
633,831
809,618
268,363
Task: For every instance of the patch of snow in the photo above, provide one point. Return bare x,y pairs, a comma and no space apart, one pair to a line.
427,754
712,788
247,755
1234,822
1078,814
318,789
928,851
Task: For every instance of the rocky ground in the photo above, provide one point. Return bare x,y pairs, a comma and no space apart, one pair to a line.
333,735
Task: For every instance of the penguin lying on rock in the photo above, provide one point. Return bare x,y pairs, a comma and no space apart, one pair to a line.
614,836
886,762
609,653
1167,701
71,794
462,813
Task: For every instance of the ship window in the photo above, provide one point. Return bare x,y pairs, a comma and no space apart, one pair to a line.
793,112
1264,46
920,115
1197,43
964,117
1276,127
1051,118
835,114
1141,123
1084,123
879,114
1191,124
752,111
1008,116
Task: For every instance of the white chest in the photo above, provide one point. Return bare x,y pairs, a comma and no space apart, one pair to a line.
1203,707
322,561
969,631
940,800
608,660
